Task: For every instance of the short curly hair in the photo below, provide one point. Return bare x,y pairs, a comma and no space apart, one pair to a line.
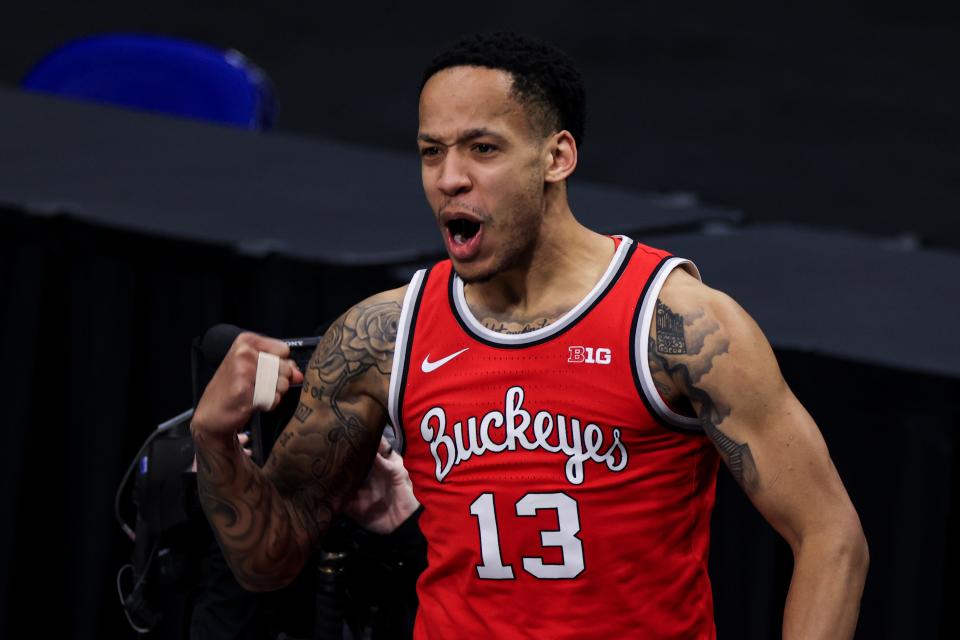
545,80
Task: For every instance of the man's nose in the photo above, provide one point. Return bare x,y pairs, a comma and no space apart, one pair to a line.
454,177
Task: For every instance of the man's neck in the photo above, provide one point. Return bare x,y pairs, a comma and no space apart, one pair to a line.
567,260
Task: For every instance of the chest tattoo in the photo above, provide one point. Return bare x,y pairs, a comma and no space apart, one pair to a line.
515,327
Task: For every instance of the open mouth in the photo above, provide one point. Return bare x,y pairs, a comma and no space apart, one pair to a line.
462,230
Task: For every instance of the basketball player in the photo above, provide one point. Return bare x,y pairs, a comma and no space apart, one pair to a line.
564,397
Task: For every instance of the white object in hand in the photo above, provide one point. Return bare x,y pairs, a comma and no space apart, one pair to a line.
265,388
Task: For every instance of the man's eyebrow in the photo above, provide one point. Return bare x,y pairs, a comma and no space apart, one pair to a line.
466,136
480,132
426,137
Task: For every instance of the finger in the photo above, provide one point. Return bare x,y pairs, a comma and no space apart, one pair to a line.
381,463
283,384
389,467
385,448
290,370
267,376
269,345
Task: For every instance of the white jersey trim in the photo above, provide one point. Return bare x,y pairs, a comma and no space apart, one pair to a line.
463,309
400,352
642,338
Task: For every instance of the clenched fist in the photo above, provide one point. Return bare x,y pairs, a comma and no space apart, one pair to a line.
227,402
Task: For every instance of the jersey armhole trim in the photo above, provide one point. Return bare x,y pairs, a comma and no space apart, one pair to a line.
640,337
401,354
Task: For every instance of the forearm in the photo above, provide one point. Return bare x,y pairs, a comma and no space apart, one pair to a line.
828,577
262,538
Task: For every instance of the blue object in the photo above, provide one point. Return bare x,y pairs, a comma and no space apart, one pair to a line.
159,74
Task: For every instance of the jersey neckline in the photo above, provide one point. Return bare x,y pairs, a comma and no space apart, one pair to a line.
469,323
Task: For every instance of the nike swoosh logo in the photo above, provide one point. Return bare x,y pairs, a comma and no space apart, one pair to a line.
426,366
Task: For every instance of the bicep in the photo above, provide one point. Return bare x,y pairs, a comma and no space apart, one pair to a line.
329,441
327,447
793,481
787,470
767,439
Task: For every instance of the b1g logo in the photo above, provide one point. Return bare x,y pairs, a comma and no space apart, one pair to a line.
590,355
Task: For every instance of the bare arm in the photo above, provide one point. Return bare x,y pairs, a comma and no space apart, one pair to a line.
269,520
721,364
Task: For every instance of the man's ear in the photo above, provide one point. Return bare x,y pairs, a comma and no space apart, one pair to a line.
560,156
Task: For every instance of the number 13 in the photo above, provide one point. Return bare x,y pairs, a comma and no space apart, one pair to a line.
568,517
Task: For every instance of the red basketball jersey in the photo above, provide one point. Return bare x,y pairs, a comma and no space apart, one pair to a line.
562,497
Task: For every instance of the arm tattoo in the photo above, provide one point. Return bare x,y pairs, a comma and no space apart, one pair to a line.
684,352
268,518
303,412
670,338
241,523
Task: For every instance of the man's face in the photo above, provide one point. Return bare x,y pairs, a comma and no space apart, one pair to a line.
483,170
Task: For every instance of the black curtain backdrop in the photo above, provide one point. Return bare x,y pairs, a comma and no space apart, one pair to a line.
96,330
96,327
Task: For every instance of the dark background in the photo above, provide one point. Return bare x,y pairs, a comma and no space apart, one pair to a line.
824,113
832,116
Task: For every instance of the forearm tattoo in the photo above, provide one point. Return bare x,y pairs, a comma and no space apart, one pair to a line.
241,505
683,353
271,518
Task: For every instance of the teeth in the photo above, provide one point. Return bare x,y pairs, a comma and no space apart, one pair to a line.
458,238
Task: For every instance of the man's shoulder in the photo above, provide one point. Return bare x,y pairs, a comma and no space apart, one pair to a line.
683,288
384,297
371,324
356,352
685,297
